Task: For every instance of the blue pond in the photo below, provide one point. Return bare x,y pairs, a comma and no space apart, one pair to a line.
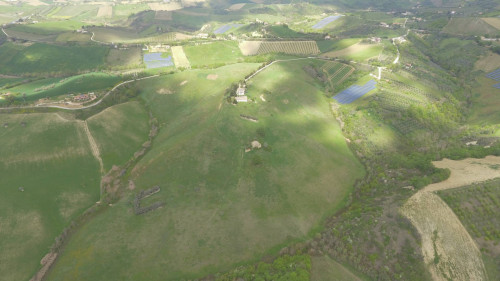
155,60
495,75
322,23
355,92
225,28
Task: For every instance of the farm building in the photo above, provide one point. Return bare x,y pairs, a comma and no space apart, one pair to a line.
240,91
84,97
241,99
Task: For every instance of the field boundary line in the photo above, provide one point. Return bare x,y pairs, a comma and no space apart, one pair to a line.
3,30
93,146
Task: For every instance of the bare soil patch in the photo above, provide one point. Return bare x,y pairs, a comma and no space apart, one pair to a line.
236,7
495,22
163,15
183,83
212,76
249,48
105,12
488,63
164,91
180,59
467,171
165,7
447,247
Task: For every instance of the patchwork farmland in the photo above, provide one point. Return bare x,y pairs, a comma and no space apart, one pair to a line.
337,72
286,47
170,176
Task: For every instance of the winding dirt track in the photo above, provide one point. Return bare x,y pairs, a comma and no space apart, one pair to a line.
448,249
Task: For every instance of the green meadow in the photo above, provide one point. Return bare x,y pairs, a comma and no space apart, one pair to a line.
48,27
50,159
44,59
119,132
215,53
51,87
224,206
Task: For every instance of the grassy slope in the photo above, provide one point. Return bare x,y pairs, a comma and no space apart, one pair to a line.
223,206
48,27
334,45
223,52
51,159
76,84
486,102
43,58
358,52
469,26
324,268
124,58
119,132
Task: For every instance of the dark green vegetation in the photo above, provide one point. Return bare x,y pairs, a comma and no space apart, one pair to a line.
48,59
285,268
477,206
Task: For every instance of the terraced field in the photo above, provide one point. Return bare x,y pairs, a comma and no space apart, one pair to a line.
337,72
287,47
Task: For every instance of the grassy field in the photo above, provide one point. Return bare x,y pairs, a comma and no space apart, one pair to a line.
223,206
249,48
47,27
334,45
216,53
50,59
477,207
50,158
357,52
128,58
122,35
469,26
119,132
486,102
52,87
324,268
